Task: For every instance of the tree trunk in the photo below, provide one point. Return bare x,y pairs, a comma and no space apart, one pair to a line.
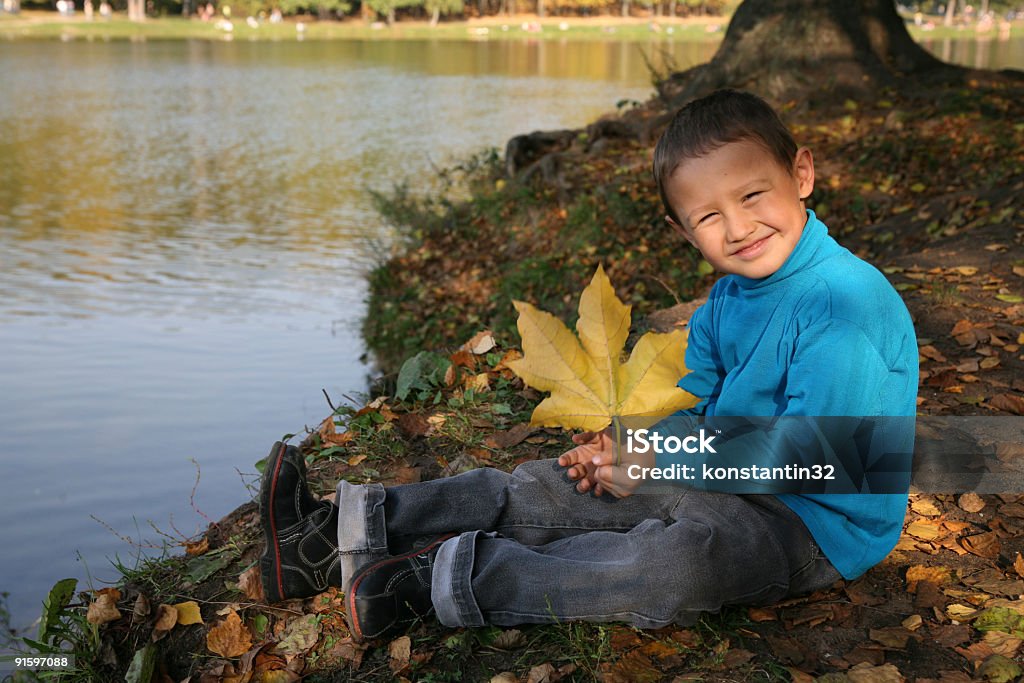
540,8
391,16
817,49
625,8
434,17
950,12
136,10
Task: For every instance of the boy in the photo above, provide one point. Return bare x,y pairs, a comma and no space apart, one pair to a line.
799,326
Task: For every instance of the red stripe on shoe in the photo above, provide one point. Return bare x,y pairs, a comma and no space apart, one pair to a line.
273,526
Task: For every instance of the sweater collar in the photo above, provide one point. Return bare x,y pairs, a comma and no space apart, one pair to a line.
803,254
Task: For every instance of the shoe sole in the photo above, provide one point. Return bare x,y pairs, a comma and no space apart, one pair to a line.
350,599
270,560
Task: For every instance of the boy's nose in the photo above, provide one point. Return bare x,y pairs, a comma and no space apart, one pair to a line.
738,229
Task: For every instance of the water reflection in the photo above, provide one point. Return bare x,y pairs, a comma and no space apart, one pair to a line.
984,51
184,232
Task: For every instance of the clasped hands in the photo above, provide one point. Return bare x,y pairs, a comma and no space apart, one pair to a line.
592,464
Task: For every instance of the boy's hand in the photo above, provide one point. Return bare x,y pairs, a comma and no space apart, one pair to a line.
580,459
592,462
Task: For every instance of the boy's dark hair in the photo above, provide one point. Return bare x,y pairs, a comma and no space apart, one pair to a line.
705,124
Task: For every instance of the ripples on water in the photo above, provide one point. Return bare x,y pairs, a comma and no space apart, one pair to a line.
184,231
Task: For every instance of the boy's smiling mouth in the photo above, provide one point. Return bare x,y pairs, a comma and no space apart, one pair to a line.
752,250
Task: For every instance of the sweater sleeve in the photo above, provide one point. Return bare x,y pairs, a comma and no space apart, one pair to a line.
834,385
706,372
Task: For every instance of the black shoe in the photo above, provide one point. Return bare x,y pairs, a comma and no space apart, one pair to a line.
301,556
388,596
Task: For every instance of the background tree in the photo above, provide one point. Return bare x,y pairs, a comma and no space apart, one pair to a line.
438,7
810,48
387,7
322,8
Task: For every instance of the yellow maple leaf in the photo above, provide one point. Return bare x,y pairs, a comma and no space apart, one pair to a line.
588,381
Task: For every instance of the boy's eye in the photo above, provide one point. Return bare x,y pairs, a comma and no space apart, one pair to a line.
704,218
751,195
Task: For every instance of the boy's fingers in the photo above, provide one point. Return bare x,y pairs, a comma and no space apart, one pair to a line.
583,437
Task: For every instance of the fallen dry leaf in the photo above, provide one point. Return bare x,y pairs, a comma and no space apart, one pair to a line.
936,575
865,673
588,383
399,652
970,502
759,614
542,673
913,622
799,676
926,530
633,667
166,619
329,434
925,506
1011,403
970,365
230,637
299,635
1002,643
250,584
983,545
976,653
142,609
687,638
510,438
511,639
188,613
478,383
894,637
989,363
104,608
413,425
279,676
999,669
193,548
736,658
481,343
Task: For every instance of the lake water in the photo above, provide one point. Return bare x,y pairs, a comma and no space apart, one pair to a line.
184,231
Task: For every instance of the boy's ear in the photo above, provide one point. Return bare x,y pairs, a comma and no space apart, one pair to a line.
680,229
803,171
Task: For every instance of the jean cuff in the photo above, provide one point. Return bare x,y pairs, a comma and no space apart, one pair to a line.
362,537
451,583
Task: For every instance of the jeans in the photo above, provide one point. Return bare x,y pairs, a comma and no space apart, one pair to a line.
531,549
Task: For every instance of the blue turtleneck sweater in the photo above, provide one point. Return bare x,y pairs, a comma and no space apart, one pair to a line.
825,335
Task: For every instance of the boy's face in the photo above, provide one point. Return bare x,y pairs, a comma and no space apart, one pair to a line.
740,208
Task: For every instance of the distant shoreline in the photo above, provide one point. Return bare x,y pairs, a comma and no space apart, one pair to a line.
35,24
